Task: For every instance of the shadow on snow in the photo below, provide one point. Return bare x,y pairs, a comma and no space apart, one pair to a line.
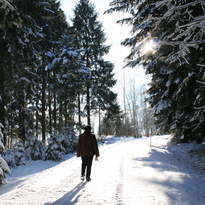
8,187
71,197
22,171
180,181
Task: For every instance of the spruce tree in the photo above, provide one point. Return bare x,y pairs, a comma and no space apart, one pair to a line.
91,39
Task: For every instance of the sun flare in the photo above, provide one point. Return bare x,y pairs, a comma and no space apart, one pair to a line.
148,47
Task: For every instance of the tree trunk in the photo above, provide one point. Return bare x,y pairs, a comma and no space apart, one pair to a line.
99,123
54,106
88,105
37,117
60,127
2,102
50,112
10,138
79,114
66,114
54,112
43,109
49,107
21,101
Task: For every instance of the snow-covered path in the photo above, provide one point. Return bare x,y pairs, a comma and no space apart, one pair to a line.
128,172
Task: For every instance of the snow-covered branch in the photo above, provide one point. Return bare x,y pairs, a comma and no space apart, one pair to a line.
6,3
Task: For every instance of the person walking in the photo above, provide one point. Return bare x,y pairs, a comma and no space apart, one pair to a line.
87,147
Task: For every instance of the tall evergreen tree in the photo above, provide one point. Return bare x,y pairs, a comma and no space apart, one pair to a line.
91,39
112,123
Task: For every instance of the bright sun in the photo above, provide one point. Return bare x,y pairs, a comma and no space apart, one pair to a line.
148,47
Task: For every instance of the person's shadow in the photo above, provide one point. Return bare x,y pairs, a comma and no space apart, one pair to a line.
69,198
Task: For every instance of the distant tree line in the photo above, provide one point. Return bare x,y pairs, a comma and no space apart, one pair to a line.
136,120
177,91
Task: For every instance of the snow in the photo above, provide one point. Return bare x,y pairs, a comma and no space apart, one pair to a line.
65,61
1,144
25,79
84,70
4,168
161,106
69,52
56,60
49,66
49,54
129,171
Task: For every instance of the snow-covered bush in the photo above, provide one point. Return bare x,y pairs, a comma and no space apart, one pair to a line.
16,156
20,153
1,146
21,156
69,140
9,157
55,149
4,168
35,148
60,145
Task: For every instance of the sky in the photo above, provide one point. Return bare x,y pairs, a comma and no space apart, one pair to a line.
115,34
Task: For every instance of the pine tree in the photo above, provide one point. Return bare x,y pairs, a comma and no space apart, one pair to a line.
10,25
91,38
112,123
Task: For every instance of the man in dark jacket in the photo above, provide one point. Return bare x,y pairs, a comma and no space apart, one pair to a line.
86,148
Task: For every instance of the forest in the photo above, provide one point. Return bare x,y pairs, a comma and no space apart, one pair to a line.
54,76
51,72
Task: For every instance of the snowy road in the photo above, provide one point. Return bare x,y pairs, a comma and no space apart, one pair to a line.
128,172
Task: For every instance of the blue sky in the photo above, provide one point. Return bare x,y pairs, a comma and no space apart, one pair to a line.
115,35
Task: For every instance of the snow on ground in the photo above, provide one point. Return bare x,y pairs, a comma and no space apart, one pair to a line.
128,172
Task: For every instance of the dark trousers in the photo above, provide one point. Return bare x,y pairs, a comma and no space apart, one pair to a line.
86,165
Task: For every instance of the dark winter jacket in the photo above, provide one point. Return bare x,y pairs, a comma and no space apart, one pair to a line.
87,145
